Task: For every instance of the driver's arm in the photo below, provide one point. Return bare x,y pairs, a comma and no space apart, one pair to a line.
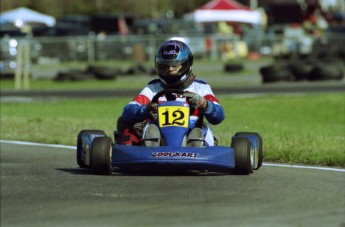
214,113
137,110
134,112
212,110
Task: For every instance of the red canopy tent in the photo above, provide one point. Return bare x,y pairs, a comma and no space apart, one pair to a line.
225,10
224,5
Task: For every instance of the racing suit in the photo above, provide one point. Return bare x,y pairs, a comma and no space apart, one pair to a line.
135,111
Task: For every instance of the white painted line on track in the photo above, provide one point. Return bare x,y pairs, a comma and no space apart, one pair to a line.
304,167
264,164
38,144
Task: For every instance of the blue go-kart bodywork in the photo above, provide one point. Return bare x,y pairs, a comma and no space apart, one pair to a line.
97,151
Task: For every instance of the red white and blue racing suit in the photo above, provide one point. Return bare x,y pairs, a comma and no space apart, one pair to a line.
135,111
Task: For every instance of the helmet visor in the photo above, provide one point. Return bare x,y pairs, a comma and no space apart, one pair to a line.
169,67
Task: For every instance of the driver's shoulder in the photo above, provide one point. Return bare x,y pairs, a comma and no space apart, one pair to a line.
154,86
200,84
200,81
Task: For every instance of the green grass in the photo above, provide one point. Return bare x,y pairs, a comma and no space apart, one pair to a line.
307,129
304,129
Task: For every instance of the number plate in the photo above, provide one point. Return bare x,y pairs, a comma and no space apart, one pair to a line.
173,116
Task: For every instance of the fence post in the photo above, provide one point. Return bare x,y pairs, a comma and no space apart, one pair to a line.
91,47
27,64
19,67
139,53
22,72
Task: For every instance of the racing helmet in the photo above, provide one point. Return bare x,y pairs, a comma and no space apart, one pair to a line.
174,53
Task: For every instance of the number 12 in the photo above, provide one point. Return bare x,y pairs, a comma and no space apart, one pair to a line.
177,116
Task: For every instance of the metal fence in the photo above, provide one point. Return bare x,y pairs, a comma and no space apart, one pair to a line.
142,47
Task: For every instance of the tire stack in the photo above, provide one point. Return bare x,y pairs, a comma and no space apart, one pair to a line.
91,72
102,73
233,67
327,70
139,69
325,63
276,72
72,75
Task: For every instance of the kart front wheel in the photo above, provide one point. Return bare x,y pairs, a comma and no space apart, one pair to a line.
242,148
259,148
101,152
82,146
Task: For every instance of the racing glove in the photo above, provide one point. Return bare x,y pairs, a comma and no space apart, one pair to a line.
195,100
151,109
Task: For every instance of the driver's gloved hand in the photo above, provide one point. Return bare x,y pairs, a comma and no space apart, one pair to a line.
195,100
151,109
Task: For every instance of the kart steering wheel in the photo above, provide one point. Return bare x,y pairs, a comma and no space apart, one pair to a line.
165,92
176,91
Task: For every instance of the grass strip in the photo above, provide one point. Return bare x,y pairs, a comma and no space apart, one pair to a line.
303,129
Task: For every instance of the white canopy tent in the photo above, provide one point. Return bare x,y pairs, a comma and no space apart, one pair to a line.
22,15
225,10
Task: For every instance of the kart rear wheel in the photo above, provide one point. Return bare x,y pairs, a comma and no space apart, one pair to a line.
81,146
101,153
260,150
242,147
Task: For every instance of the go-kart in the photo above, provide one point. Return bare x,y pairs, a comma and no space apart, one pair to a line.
97,151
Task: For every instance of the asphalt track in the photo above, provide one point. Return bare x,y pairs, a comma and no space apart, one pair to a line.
42,186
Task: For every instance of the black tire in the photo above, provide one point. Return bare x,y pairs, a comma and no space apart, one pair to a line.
261,145
327,70
102,73
234,67
275,73
242,146
136,69
300,69
141,68
341,54
101,150
80,145
72,75
6,75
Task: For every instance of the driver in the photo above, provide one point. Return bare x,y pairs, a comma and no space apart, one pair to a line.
173,63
